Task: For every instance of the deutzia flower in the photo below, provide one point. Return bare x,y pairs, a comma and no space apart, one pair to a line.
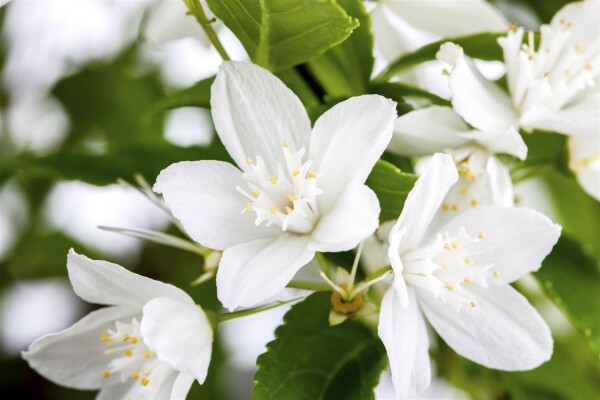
552,87
151,342
484,179
584,155
457,277
294,192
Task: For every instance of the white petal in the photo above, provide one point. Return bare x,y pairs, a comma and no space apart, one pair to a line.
203,196
254,113
503,331
428,130
501,186
392,39
73,357
507,142
447,18
424,200
161,382
181,386
520,238
584,160
254,271
102,282
583,17
351,220
403,333
480,102
347,141
180,334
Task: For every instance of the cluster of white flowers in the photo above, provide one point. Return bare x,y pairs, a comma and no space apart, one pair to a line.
296,190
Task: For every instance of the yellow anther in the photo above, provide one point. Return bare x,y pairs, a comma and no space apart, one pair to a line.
454,207
291,198
255,193
473,304
446,246
464,190
249,207
147,354
467,281
444,266
128,353
445,207
312,175
469,175
567,73
144,381
449,286
455,245
464,164
547,74
273,180
496,274
562,21
126,337
104,337
588,66
468,260
274,209
135,375
288,210
295,172
474,203
134,340
249,160
512,27
480,235
286,144
578,47
106,373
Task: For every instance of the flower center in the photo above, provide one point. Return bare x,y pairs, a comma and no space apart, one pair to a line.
448,265
471,188
135,360
286,198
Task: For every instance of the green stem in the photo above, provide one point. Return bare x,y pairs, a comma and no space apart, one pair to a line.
197,11
316,286
323,263
243,313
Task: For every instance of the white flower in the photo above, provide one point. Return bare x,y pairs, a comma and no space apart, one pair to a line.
457,277
151,342
584,155
552,88
484,179
294,191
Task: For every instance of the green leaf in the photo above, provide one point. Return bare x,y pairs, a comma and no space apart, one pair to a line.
197,95
391,187
345,70
546,9
311,360
483,46
278,34
571,279
398,91
104,168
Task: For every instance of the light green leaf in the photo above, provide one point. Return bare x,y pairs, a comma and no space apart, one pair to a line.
483,46
278,34
345,70
391,187
311,360
571,279
398,91
197,95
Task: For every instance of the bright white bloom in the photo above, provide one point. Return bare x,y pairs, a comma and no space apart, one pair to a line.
457,277
584,155
553,86
151,342
294,192
484,179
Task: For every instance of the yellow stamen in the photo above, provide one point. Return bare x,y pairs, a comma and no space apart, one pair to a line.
464,190
144,381
134,340
473,304
496,274
562,21
468,260
295,172
274,209
464,164
578,47
106,373
273,180
444,266
512,27
445,207
286,144
135,375
255,193
104,337
291,197
474,203
469,175
588,66
467,281
446,246
454,207
312,175
481,235
148,354
567,73
449,286
126,337
455,245
288,210
547,74
249,207
128,353
249,160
